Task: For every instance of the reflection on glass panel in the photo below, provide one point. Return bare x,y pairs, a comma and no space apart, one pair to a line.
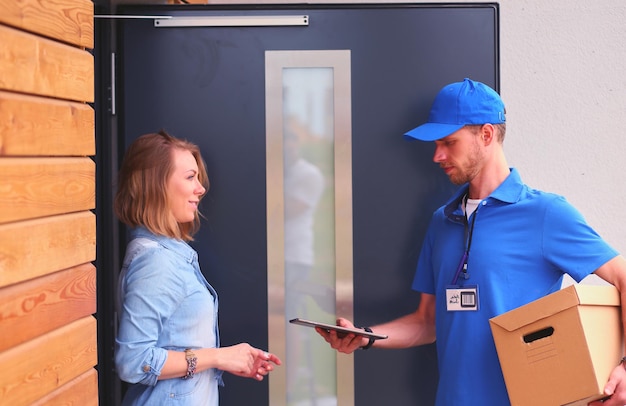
309,230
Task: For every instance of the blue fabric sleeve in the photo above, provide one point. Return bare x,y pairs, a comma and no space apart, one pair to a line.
570,243
152,292
424,279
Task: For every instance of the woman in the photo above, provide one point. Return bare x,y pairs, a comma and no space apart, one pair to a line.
167,345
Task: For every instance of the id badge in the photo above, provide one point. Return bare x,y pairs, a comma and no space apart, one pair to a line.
462,298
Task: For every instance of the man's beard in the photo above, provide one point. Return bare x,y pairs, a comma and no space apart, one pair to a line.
463,175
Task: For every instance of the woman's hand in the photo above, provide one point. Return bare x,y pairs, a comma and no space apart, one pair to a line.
246,361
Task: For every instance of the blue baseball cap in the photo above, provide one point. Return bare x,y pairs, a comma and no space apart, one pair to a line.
459,104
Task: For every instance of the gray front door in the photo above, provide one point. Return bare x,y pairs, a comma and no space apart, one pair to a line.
208,84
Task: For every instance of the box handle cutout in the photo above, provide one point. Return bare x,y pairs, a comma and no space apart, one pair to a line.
539,334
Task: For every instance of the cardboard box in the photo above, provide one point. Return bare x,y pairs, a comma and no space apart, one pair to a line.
560,349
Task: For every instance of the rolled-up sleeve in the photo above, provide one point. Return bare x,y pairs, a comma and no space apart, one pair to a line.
150,292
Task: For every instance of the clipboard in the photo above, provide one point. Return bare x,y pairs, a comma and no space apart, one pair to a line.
338,329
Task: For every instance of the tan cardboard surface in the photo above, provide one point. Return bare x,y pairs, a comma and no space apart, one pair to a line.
570,361
556,302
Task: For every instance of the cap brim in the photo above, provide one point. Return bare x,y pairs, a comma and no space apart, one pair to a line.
432,131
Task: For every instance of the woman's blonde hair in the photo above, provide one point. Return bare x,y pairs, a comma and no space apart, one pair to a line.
141,197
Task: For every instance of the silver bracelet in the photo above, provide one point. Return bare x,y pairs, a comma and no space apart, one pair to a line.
192,360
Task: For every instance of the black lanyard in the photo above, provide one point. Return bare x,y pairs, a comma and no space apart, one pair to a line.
461,270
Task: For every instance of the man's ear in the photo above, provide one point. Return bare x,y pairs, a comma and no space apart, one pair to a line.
487,134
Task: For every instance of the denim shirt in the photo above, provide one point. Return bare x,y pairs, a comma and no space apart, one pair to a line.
164,303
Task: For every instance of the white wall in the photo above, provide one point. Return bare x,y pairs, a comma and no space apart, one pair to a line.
564,85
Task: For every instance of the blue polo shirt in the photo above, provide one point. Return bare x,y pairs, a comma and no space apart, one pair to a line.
523,242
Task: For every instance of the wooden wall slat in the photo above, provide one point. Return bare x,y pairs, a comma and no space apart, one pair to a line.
31,64
38,306
38,187
35,126
48,336
38,247
65,20
81,391
40,366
